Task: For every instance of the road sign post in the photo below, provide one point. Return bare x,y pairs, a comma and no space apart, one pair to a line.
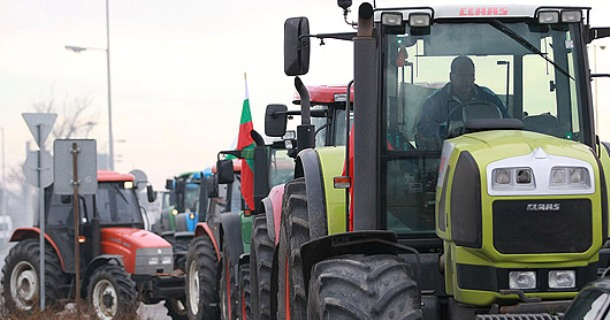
40,124
80,157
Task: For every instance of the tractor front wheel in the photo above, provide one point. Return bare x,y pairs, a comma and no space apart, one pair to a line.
363,287
20,277
112,293
244,307
202,280
261,260
294,231
228,294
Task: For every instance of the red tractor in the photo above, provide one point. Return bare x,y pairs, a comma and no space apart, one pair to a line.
121,263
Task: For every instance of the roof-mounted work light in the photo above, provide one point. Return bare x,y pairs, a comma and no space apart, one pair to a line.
419,20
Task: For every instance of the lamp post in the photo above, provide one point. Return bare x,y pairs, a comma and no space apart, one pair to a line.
3,208
107,50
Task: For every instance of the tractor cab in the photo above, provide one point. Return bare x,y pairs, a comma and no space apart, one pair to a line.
114,205
327,104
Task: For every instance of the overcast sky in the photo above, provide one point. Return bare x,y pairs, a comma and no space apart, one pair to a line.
176,69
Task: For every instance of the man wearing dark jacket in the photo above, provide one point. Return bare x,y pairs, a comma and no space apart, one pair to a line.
461,89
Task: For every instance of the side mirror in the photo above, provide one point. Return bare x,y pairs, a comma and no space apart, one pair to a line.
212,187
276,120
150,193
169,184
296,46
225,171
594,33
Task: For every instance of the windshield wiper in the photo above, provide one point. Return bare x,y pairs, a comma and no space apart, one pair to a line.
526,44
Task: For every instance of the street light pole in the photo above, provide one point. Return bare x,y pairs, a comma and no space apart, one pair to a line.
3,208
110,136
107,50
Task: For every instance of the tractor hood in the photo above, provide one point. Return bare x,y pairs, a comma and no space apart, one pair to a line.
130,243
514,150
133,238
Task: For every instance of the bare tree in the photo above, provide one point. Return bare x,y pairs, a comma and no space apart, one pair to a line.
74,118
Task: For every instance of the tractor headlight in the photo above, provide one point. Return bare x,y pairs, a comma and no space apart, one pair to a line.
571,16
570,177
522,280
548,16
512,178
167,260
174,212
562,279
391,19
153,261
502,176
419,20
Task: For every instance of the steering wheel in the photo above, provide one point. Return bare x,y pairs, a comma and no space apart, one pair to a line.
483,110
475,109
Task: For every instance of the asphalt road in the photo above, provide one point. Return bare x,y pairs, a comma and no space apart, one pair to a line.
146,312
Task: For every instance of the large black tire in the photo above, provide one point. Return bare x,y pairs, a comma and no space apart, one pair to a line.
363,287
202,271
261,260
228,286
176,309
112,293
244,308
294,231
20,276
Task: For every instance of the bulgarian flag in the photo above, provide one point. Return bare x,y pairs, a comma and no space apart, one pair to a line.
245,142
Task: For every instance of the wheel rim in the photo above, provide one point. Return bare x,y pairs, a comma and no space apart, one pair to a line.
24,285
194,287
105,300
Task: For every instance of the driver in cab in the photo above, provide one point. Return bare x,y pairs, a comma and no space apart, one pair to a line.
460,90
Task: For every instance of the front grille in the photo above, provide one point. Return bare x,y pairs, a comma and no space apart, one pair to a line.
542,226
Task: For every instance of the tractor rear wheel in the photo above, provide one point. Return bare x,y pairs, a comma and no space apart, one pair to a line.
228,292
244,307
363,287
294,231
112,293
202,268
176,309
261,259
20,276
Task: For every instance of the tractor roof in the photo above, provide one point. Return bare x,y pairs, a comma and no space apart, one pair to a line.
113,176
325,94
467,10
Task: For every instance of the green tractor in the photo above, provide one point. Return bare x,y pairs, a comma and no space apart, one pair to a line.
218,257
505,215
323,123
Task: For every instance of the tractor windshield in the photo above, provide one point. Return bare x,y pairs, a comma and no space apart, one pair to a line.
520,70
191,195
117,204
281,169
